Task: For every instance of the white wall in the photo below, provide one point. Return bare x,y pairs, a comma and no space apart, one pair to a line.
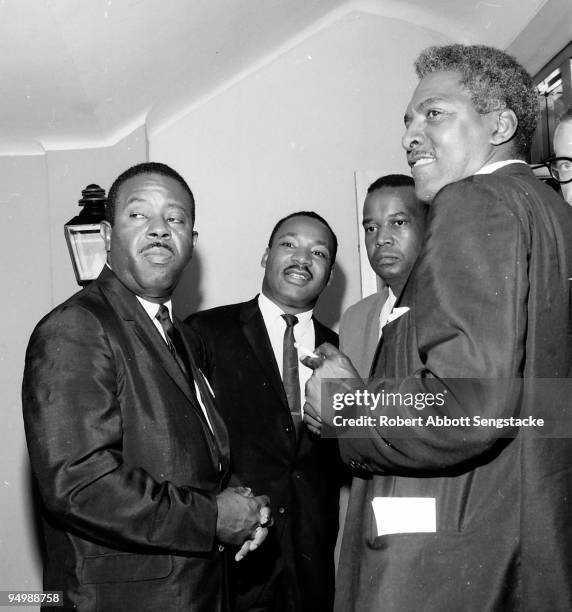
37,196
286,138
26,293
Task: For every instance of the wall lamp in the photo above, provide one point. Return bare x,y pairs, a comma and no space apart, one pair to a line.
86,246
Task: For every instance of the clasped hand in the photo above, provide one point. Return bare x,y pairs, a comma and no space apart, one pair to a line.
329,363
243,519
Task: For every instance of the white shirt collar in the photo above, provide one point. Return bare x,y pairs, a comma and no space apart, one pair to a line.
271,311
490,168
152,308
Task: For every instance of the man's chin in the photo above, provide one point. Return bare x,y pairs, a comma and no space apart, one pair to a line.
425,191
386,272
297,297
160,285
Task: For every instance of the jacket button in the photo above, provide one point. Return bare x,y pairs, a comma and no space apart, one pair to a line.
220,547
288,428
281,510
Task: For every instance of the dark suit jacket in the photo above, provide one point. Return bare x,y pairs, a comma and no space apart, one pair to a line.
300,476
489,299
127,468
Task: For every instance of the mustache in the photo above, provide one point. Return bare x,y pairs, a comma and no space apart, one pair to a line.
156,244
298,268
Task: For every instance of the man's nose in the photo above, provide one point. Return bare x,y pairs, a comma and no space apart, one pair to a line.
302,257
413,135
384,236
158,227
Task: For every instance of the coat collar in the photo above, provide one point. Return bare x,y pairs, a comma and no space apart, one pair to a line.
514,169
124,302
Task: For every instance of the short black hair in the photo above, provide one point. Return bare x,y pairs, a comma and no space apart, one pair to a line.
397,180
392,180
144,168
494,81
312,215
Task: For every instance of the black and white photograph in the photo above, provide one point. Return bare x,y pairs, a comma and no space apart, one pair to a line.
287,313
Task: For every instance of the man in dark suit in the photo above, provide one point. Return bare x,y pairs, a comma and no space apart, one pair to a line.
466,516
393,224
245,351
128,453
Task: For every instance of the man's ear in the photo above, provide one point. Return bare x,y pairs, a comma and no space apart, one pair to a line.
264,258
505,126
105,231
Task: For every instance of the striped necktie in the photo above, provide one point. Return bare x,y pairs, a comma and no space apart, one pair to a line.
290,376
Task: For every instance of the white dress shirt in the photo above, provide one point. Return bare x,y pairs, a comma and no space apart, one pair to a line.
304,335
386,310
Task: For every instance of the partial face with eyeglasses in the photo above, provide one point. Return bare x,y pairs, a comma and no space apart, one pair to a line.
561,165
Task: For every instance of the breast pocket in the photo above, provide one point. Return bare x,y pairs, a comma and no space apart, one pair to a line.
125,567
398,353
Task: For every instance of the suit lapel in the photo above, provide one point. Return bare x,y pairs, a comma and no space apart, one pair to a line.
218,427
159,351
320,336
373,344
257,337
126,305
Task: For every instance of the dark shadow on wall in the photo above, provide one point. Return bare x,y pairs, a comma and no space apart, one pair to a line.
329,308
188,295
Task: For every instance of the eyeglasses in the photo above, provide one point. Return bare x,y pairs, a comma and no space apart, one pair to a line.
560,168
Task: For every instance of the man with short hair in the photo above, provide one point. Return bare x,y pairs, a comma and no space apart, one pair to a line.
393,223
128,452
248,352
466,516
561,167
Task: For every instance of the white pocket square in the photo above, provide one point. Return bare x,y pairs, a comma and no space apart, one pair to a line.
405,514
396,313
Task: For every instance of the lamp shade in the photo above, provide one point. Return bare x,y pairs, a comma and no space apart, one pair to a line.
85,244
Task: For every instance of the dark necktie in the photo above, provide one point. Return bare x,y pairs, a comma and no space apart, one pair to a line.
174,341
194,375
290,374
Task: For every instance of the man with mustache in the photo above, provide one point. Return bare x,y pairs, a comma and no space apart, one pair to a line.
248,354
466,516
128,452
